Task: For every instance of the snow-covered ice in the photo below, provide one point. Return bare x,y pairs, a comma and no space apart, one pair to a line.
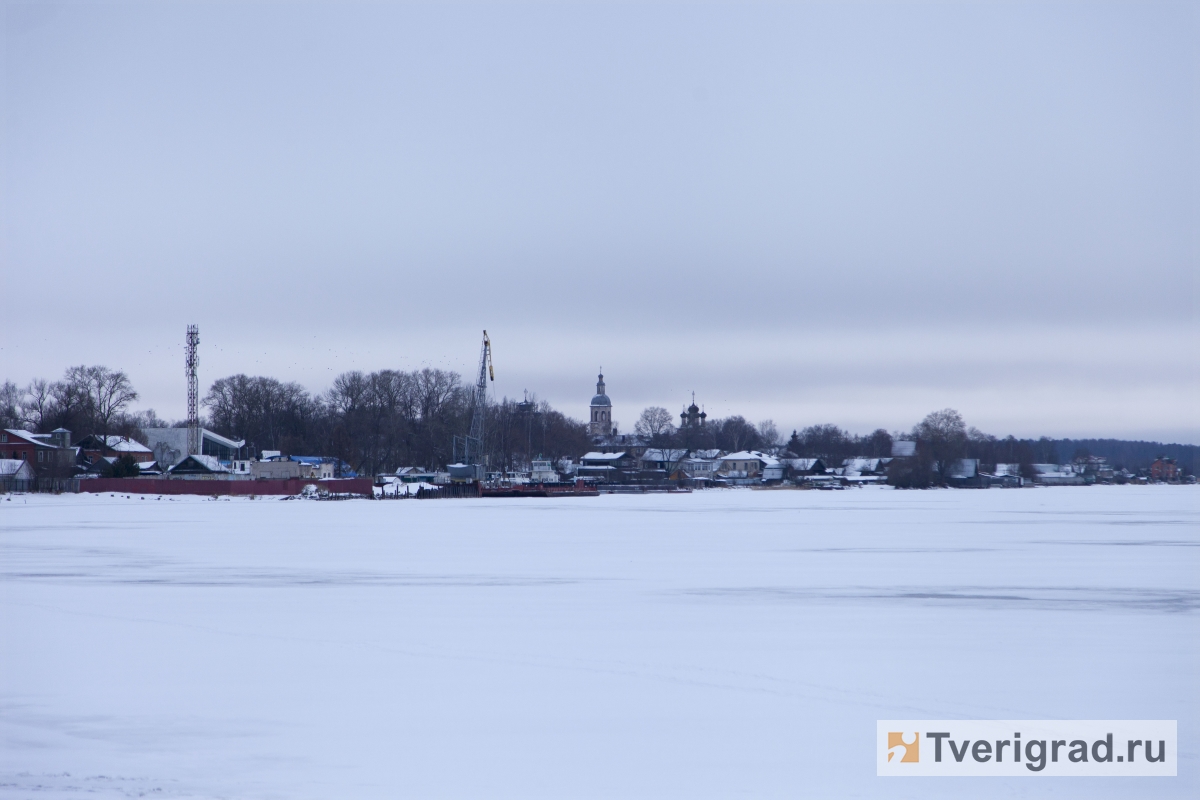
714,645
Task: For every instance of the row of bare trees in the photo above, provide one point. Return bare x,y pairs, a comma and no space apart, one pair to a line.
379,421
831,444
732,434
375,421
88,400
943,437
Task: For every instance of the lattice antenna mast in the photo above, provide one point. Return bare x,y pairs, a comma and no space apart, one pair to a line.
192,363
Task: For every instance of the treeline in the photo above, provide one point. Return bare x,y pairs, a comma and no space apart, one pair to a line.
87,400
379,421
831,444
375,421
942,438
1121,453
656,426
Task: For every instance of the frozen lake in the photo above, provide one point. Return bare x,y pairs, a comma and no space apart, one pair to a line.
715,645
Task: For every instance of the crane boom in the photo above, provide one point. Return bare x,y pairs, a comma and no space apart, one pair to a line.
479,401
468,450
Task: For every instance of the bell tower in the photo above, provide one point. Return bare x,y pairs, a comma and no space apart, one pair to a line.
600,423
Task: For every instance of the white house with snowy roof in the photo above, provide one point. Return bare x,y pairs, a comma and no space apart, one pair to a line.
746,464
662,458
698,467
15,474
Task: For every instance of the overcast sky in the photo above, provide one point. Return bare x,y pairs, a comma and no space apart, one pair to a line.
809,212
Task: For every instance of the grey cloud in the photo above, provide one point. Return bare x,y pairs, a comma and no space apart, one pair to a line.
732,198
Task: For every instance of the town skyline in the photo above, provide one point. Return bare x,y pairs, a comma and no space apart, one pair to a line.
166,396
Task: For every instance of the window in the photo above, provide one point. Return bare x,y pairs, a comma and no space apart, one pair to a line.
41,455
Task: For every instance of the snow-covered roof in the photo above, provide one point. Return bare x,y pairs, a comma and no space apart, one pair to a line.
209,462
122,444
1008,469
603,456
12,466
310,459
751,455
663,455
30,436
159,434
802,464
904,448
861,465
714,453
963,468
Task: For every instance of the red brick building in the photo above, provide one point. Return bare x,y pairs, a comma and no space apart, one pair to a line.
1164,469
47,453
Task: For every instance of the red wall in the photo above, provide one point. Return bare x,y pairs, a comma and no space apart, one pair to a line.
207,487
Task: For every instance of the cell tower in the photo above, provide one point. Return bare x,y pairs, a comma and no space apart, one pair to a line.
192,362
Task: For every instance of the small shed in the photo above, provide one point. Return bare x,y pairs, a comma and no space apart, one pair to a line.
16,475
195,466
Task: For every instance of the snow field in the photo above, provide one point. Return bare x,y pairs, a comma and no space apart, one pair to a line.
719,644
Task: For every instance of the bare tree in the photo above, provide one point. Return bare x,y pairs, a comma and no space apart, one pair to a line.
944,436
827,442
270,414
72,401
11,402
735,434
110,393
655,423
768,434
37,404
878,444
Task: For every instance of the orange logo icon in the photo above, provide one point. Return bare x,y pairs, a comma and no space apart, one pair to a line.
904,747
